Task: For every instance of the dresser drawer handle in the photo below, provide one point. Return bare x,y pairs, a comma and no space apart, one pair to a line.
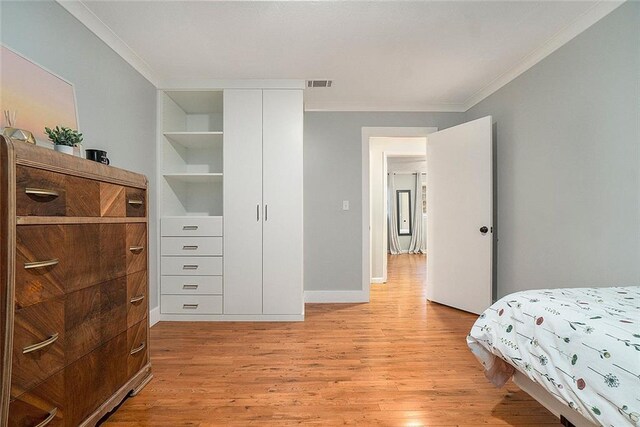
136,299
190,306
190,286
189,227
35,347
50,417
41,264
190,267
190,247
138,349
135,202
136,249
41,192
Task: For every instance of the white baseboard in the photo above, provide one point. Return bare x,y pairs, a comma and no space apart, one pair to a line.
378,280
336,296
154,316
232,317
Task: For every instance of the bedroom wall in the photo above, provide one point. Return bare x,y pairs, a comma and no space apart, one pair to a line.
333,173
116,105
568,141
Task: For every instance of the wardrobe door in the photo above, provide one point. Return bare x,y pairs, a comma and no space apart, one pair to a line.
282,194
242,202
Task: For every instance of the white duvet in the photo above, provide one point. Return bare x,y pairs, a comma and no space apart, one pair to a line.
582,345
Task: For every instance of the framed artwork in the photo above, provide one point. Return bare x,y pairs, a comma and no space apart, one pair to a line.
36,96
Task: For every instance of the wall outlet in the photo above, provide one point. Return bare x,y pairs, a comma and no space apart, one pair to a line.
345,205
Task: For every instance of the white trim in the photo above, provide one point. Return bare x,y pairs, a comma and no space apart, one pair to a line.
584,21
429,108
89,19
213,84
336,296
231,317
154,316
378,280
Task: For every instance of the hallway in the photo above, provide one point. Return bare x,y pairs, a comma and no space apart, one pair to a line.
397,361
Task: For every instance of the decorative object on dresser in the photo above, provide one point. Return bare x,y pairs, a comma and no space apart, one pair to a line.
64,139
73,290
10,130
231,173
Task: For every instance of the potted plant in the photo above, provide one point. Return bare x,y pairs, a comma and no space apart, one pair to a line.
64,139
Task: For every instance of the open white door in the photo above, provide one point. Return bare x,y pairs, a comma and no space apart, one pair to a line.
460,216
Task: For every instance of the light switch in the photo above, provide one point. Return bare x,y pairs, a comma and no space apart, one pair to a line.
345,205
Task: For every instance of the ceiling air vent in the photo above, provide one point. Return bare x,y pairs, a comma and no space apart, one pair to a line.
319,83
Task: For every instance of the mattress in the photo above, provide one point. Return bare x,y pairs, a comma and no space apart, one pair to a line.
582,345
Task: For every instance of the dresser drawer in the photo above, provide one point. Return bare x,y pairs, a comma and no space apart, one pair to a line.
44,403
41,263
192,304
38,344
136,247
192,226
137,298
192,246
191,285
136,202
191,266
137,342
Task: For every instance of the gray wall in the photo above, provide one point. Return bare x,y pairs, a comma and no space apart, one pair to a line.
568,160
333,173
116,105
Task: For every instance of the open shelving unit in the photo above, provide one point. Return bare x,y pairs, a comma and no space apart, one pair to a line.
192,150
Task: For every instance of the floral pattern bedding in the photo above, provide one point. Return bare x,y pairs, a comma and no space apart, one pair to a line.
582,345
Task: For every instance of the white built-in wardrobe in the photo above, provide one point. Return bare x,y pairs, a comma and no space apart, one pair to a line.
231,243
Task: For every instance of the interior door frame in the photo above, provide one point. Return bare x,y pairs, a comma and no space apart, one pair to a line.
367,133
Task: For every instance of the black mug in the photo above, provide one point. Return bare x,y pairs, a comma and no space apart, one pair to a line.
97,156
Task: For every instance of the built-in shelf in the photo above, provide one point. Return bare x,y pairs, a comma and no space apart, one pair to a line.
195,139
195,177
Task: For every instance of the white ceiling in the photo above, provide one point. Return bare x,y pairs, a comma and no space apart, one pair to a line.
386,56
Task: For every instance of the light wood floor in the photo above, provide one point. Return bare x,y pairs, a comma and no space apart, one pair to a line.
395,361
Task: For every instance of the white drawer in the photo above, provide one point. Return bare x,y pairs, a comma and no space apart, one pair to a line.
192,246
191,285
191,226
191,304
191,266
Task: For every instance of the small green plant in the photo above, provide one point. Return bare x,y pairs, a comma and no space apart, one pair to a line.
64,136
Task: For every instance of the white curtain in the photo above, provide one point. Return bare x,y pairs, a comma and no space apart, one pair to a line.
418,244
392,206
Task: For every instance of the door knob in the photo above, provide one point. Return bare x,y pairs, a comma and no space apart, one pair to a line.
484,229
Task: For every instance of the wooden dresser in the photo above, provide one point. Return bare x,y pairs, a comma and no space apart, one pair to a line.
73,287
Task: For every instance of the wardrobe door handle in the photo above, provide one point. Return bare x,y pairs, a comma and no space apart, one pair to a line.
50,417
136,299
190,267
266,212
190,227
190,306
189,247
257,212
35,347
40,264
189,286
41,192
137,349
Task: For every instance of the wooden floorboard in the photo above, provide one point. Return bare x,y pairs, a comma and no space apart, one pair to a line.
397,361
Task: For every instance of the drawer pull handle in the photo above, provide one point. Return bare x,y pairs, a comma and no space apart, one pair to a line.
189,227
136,299
138,349
190,306
135,202
35,347
190,286
41,264
136,249
41,192
190,247
190,267
50,417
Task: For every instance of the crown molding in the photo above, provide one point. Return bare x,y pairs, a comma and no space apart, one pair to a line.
83,14
428,108
584,21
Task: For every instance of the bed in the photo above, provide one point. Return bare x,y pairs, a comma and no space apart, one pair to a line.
578,347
